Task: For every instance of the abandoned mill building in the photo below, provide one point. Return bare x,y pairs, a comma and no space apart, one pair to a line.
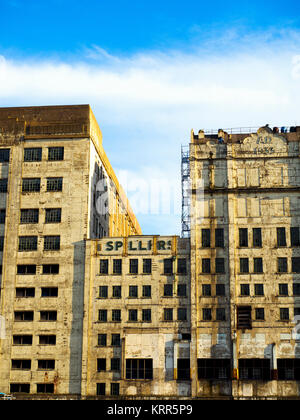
91,308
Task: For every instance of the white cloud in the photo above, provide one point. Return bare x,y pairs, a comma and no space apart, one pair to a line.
146,104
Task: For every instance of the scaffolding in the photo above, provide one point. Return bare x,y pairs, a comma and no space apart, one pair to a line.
186,192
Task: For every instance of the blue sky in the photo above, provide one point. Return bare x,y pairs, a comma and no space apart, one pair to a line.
152,71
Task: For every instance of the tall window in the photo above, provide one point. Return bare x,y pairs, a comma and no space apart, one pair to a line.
205,238
257,265
257,240
219,238
3,185
244,265
282,265
147,262
295,236
133,266
281,237
103,266
243,237
168,266
117,266
206,265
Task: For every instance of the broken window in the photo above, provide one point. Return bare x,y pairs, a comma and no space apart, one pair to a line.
244,320
183,369
101,365
205,238
282,265
47,340
139,369
220,314
206,265
101,388
214,368
29,216
23,315
243,237
284,314
181,314
133,266
259,290
283,289
255,369
206,289
168,290
259,314
24,292
27,243
295,264
48,364
50,268
257,240
206,314
22,340
220,265
55,153
32,154
281,237
45,388
220,289
26,269
3,185
288,369
245,289
20,388
181,290
295,236
48,315
181,266
21,364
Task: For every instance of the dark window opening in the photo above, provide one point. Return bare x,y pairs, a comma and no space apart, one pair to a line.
53,216
219,238
255,369
55,153
147,265
214,368
103,266
257,265
281,236
243,237
117,266
133,266
54,184
27,243
282,265
26,269
206,265
257,239
31,185
244,319
33,154
168,266
295,236
181,266
29,216
139,369
50,268
205,238
183,369
288,369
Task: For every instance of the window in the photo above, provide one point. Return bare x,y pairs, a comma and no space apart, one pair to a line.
181,290
206,314
288,369
29,216
53,215
101,365
116,340
259,314
115,364
19,388
295,264
33,154
103,266
51,243
146,315
3,185
283,289
47,340
206,289
181,266
21,364
133,291
168,314
255,369
219,238
101,389
45,388
50,268
146,291
22,340
139,369
31,185
257,240
133,266
214,368
54,184
257,265
284,314
102,340
102,315
132,315
26,269
296,289
205,238
282,265
243,237
49,292
2,215
181,314
114,389
245,290
117,292
48,315
220,265
220,289
281,237
1,243
220,314
116,315
206,265
4,155
295,236
25,292
168,290
183,369
244,319
46,364
27,243
168,266
259,290
23,315
147,265
117,266
55,153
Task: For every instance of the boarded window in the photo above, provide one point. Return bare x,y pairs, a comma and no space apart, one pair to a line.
244,320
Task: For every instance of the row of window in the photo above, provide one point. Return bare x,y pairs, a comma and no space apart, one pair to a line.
206,237
220,315
146,315
257,265
258,289
29,315
30,243
30,269
34,184
29,216
116,291
34,154
146,266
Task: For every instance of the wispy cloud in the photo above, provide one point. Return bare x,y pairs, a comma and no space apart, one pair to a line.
147,103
